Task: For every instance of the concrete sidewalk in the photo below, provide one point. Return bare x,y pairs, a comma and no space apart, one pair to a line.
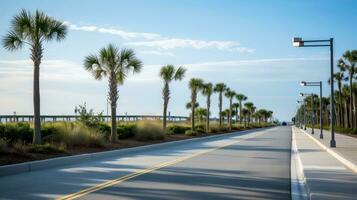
346,146
325,176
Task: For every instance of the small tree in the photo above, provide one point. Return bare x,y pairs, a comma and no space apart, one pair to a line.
34,30
169,73
195,85
116,65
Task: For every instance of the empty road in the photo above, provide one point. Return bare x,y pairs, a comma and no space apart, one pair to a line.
244,165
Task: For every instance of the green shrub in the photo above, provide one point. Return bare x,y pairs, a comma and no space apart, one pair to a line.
13,132
3,145
149,130
177,129
125,131
46,149
214,128
104,129
191,133
200,128
77,134
48,130
19,147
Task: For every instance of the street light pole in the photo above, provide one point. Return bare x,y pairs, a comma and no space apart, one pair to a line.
319,84
333,141
299,42
312,113
321,132
303,120
312,109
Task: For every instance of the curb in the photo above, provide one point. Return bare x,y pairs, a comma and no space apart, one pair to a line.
336,155
299,189
75,159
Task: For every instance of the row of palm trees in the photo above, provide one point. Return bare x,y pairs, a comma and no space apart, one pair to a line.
345,97
34,29
248,112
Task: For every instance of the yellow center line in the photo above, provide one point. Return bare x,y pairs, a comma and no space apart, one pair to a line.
139,172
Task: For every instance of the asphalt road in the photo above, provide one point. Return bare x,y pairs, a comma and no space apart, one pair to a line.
246,165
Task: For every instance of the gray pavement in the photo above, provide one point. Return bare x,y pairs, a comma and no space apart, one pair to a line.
326,177
257,168
346,145
251,165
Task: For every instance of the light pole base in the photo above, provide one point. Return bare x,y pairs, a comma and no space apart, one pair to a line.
333,143
321,136
312,132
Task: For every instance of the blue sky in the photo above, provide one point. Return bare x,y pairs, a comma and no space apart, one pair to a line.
246,44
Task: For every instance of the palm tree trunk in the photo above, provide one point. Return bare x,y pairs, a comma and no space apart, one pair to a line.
240,112
193,105
166,94
220,109
208,114
113,97
354,110
230,114
237,115
36,55
351,104
340,106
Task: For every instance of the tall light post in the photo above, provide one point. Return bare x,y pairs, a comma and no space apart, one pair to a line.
302,119
319,84
312,121
299,42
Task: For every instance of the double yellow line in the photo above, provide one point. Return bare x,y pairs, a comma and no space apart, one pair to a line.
138,173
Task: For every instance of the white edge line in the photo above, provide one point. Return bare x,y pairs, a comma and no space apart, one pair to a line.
343,160
299,189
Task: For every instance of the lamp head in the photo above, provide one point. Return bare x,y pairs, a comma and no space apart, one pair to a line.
303,83
298,42
301,94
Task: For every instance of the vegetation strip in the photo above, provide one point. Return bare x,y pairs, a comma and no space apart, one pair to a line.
144,171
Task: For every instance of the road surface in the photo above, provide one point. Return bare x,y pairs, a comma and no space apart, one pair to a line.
244,165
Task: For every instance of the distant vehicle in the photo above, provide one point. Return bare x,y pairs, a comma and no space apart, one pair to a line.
283,124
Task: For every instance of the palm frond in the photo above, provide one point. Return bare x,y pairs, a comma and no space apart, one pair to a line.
22,25
12,41
167,73
180,73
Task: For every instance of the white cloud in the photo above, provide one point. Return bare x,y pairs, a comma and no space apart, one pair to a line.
173,43
157,41
114,31
157,53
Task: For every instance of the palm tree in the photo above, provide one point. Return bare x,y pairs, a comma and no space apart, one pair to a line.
348,63
241,98
250,107
207,90
201,113
34,30
270,115
195,85
339,77
168,73
245,113
220,88
345,100
115,64
230,95
236,106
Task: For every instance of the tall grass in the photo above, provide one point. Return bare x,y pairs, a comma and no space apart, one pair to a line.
149,130
76,134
